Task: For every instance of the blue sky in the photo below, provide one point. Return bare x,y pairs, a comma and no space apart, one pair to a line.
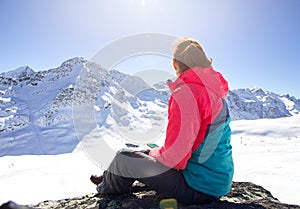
252,42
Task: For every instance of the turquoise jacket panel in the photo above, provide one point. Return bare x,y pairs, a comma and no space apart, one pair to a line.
210,169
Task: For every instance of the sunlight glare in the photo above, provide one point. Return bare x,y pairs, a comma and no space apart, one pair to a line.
143,3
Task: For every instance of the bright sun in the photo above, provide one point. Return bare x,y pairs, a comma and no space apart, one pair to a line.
142,3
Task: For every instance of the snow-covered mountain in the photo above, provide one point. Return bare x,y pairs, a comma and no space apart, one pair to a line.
36,108
256,103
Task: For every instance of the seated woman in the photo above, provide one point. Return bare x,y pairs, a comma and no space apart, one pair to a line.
195,164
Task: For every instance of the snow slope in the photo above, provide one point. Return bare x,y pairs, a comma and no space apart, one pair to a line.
266,152
32,115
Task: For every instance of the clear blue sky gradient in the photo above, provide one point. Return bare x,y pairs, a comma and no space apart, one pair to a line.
252,42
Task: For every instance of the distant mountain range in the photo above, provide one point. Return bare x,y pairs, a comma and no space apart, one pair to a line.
36,107
256,103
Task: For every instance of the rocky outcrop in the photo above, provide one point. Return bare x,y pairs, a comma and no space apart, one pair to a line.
243,195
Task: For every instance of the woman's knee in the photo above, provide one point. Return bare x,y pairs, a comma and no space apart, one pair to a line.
124,151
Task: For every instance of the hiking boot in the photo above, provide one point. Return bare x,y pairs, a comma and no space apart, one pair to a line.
100,189
96,179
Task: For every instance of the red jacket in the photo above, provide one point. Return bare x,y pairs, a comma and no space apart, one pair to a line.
195,101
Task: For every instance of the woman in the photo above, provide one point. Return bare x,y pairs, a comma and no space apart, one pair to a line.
195,163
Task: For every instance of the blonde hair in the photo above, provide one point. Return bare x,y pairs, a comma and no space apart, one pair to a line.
189,53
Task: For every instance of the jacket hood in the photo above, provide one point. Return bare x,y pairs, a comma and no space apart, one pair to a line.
207,77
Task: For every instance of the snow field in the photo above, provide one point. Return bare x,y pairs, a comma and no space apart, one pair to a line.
30,179
265,151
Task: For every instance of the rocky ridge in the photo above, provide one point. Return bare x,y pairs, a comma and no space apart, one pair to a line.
243,195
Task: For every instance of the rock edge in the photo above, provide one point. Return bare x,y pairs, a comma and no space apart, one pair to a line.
243,195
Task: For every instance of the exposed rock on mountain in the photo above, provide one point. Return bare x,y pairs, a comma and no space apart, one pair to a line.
244,195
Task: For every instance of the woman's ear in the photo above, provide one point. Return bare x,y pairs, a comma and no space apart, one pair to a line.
174,64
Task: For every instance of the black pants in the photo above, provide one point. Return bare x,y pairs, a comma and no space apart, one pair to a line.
129,165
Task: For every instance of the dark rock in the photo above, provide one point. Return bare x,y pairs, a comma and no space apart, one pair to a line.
243,195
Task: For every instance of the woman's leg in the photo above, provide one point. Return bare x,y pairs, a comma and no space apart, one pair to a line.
126,167
129,165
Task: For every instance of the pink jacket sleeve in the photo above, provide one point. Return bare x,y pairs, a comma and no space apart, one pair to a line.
182,130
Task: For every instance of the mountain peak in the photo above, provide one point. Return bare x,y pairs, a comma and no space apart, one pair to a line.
74,61
257,90
20,72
